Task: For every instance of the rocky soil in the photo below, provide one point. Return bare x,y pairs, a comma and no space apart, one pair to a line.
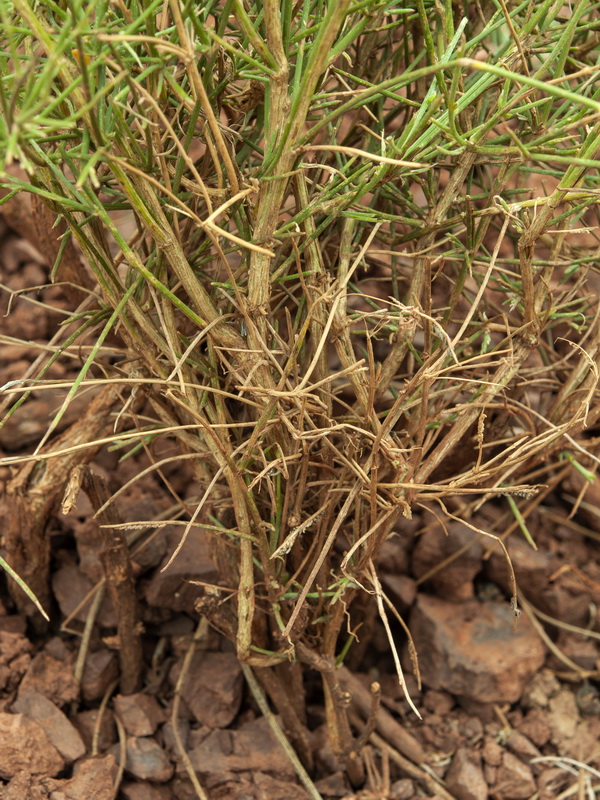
509,703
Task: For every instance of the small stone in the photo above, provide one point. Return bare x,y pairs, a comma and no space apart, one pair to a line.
521,746
146,760
483,712
86,723
151,548
473,729
99,672
25,747
465,778
531,567
438,702
471,650
213,688
492,753
401,588
58,649
197,735
140,713
588,700
393,555
182,788
167,735
514,779
60,732
403,789
490,774
455,580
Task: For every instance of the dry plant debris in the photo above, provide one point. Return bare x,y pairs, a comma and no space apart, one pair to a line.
335,262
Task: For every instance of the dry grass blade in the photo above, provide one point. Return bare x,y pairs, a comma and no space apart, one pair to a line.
337,256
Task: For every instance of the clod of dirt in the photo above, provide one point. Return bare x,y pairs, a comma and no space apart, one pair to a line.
251,748
567,603
535,726
257,787
455,581
140,713
465,777
88,539
213,688
573,737
15,659
24,747
563,716
491,753
26,428
514,780
146,760
12,623
92,778
170,589
270,788
540,690
438,702
532,569
24,787
575,483
551,781
52,678
71,588
471,650
143,790
585,652
333,785
60,732
22,324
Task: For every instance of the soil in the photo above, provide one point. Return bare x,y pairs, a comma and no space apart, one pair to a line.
509,702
